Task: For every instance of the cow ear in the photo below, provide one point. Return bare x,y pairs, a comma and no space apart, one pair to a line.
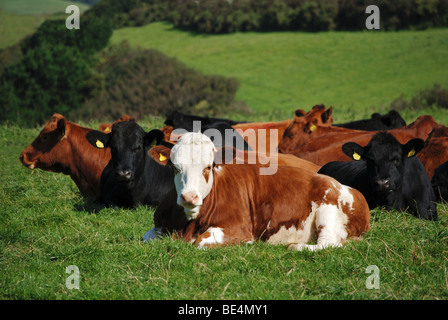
98,139
61,126
160,154
225,154
300,113
412,147
154,137
326,115
353,150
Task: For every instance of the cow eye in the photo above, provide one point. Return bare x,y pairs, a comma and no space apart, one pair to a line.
137,149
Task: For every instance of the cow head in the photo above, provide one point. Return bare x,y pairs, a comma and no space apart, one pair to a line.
384,157
193,160
128,144
301,129
48,146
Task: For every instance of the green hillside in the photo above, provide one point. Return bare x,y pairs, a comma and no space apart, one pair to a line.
31,7
282,71
19,18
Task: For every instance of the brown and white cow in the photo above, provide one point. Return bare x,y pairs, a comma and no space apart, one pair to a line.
233,203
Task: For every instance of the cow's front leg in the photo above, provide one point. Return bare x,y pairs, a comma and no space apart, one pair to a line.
214,236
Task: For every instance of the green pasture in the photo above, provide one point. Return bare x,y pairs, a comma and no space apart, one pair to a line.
355,72
46,226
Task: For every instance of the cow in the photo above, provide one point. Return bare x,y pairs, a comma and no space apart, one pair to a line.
439,182
388,174
435,152
258,134
131,177
107,127
181,123
169,218
61,146
233,203
324,143
390,120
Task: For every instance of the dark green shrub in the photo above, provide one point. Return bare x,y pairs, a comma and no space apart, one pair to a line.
436,96
146,82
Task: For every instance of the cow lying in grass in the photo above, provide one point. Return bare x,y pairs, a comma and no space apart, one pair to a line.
233,203
131,177
388,174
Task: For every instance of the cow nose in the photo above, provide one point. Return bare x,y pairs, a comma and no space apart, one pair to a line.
190,198
383,184
124,175
21,157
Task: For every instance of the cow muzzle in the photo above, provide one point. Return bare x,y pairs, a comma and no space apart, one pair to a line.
383,185
124,175
24,160
190,199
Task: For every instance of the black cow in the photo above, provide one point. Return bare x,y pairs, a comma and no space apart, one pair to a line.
131,177
440,182
387,174
390,120
180,120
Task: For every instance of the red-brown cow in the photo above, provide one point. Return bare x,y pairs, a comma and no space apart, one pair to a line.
324,144
62,146
258,134
233,203
107,127
435,151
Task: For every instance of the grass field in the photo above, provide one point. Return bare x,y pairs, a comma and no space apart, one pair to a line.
355,72
46,226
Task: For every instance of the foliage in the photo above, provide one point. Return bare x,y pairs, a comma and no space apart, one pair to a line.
141,82
224,16
55,73
437,96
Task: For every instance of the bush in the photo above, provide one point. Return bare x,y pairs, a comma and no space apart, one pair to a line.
224,16
143,82
435,96
56,71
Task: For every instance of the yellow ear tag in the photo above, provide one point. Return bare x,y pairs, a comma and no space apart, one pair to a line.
162,157
107,129
313,127
411,153
356,156
99,144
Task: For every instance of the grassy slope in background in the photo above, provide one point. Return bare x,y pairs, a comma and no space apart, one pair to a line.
283,71
19,18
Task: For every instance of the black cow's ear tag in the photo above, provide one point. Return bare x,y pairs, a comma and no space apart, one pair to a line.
411,153
356,156
99,144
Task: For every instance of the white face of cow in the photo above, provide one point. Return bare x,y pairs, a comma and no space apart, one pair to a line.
193,158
